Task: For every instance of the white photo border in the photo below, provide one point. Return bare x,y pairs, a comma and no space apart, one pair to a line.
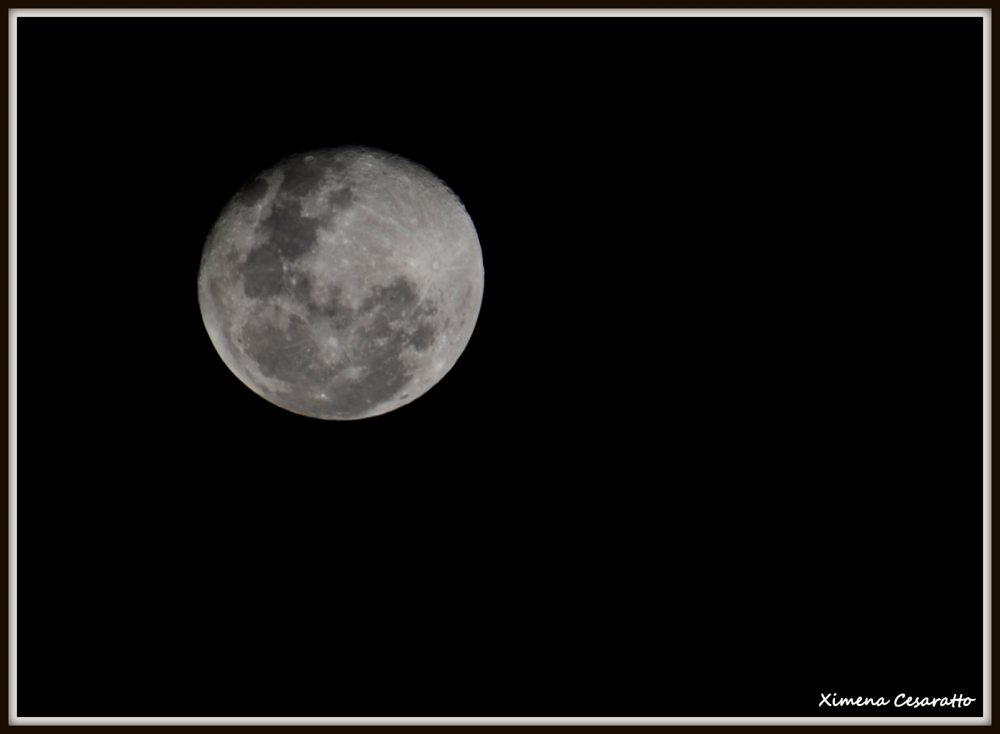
14,719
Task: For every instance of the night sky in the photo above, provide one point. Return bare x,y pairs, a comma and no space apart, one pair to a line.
713,448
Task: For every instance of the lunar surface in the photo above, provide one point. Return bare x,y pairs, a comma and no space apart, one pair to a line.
342,283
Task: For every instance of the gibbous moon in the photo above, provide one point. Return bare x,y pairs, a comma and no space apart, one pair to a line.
342,283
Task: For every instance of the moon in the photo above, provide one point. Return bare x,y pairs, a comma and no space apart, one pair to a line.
341,283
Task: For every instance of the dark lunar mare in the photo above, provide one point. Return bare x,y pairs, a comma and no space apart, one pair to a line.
389,313
301,177
384,339
285,354
252,192
341,199
263,274
285,229
423,337
287,232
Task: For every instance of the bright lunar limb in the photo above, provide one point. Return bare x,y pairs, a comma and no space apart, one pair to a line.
342,283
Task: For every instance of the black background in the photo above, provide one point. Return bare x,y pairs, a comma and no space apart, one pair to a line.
714,446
